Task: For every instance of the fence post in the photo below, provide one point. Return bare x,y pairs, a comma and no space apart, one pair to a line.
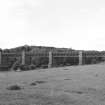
23,57
80,58
50,60
0,56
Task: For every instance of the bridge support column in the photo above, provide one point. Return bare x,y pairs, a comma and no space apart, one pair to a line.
80,58
50,60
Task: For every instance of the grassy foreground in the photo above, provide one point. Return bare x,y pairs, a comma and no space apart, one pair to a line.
78,85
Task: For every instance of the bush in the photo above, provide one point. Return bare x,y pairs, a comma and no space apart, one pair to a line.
33,84
16,68
40,82
27,67
14,87
24,67
44,66
32,67
37,82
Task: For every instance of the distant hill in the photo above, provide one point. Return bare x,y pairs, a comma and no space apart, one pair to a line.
37,49
28,48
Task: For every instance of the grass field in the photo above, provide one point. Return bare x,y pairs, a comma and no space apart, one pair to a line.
75,85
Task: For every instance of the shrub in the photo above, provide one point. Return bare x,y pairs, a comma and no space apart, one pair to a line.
44,66
33,84
27,67
32,67
14,87
40,82
37,82
24,67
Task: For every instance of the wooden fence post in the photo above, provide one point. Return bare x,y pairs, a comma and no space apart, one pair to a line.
50,60
0,56
23,57
80,58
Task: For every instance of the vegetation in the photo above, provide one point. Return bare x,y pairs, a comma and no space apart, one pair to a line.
14,87
33,62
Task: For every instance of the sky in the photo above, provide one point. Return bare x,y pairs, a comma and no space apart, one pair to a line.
77,24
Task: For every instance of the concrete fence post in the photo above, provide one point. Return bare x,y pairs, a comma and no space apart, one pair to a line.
50,60
80,58
0,57
23,57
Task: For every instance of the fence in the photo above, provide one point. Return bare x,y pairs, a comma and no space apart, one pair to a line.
8,60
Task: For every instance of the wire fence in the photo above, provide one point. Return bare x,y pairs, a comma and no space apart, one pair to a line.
50,59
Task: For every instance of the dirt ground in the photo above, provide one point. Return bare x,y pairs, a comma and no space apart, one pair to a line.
73,85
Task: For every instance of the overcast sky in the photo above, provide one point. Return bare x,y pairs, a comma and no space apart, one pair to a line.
77,24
